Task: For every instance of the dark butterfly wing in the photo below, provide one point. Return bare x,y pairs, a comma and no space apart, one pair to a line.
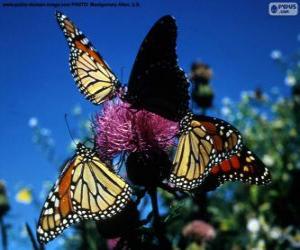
156,82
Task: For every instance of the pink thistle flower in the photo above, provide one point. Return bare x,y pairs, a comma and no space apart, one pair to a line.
199,230
120,128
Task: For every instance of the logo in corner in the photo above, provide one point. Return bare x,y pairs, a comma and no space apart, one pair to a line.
283,9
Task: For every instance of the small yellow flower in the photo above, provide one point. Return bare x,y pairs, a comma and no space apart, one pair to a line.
224,226
24,196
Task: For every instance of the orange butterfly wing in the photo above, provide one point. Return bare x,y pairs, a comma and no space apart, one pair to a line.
57,213
93,76
211,147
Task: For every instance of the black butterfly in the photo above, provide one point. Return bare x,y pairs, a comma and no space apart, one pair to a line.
156,82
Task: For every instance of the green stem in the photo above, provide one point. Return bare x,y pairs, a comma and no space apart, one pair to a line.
3,234
158,225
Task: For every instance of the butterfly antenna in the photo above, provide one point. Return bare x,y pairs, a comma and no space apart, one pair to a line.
69,130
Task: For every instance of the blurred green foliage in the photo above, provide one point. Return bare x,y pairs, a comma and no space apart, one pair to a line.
252,217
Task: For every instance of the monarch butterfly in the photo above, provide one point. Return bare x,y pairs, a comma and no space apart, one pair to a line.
210,151
86,189
93,76
155,82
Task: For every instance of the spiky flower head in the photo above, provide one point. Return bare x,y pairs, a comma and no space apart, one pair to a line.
121,128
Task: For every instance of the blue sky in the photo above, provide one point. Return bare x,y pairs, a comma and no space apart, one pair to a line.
234,37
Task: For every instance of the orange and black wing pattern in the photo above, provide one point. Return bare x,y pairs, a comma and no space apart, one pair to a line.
212,147
93,76
58,212
243,166
86,189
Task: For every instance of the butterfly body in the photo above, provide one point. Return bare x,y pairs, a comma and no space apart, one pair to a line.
86,153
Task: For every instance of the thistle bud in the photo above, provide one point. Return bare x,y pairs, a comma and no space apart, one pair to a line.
202,92
200,73
148,168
